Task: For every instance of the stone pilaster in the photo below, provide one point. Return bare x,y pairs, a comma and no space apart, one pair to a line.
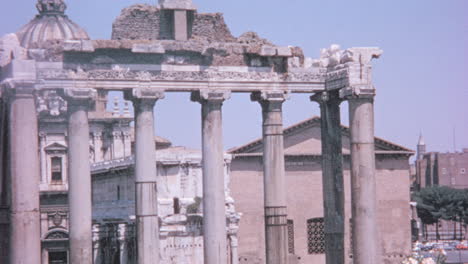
97,256
117,144
43,161
79,177
146,199
332,176
274,176
122,238
97,143
214,212
25,244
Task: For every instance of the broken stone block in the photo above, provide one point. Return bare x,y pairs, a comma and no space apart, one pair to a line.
284,51
267,51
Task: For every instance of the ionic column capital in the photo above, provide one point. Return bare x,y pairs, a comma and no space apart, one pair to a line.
210,96
331,97
270,100
143,97
358,92
83,97
13,88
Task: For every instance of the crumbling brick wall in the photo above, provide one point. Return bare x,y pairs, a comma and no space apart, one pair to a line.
137,22
147,22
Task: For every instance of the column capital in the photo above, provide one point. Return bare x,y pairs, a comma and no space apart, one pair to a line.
136,94
14,88
358,92
143,96
269,96
326,97
210,96
80,96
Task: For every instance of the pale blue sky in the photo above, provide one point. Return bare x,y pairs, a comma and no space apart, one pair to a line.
422,77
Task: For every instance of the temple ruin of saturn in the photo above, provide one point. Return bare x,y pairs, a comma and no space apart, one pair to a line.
176,49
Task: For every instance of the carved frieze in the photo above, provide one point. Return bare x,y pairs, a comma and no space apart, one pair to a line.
119,73
50,103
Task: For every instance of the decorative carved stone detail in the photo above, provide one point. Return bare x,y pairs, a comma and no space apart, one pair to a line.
51,103
51,7
80,97
208,95
59,234
56,218
271,96
145,93
358,91
202,75
335,56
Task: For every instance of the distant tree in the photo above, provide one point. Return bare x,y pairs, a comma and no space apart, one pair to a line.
437,203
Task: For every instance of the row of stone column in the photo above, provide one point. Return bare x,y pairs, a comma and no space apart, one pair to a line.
25,179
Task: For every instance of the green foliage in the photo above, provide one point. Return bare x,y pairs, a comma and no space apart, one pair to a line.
442,203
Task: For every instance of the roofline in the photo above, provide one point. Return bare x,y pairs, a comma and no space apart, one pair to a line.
306,122
379,153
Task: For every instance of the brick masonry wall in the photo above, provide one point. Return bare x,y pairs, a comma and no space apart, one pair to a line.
147,22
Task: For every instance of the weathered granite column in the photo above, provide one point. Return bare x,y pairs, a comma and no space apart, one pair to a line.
214,212
360,92
366,246
276,238
79,177
146,198
25,243
332,176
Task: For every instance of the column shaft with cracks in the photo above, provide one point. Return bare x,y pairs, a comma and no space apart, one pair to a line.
146,198
214,210
79,193
276,239
332,176
25,243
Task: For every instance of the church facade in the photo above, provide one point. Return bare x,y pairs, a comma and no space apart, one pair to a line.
306,240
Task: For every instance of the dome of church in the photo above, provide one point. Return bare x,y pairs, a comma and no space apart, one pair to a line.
50,24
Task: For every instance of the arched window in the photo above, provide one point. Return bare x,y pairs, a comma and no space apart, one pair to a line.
57,235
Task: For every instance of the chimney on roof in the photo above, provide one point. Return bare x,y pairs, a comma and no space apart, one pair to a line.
179,14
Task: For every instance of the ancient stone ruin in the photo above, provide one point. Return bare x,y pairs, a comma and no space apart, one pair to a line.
172,48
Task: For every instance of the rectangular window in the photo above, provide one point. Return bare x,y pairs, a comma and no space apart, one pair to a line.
56,169
316,236
290,236
176,205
